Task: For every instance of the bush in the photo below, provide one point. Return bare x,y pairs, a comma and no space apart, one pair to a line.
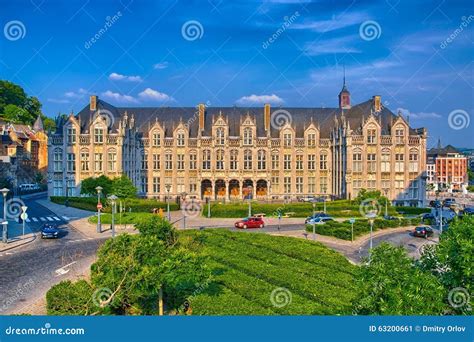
412,210
68,298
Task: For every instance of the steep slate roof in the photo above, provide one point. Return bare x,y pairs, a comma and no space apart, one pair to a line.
442,150
170,117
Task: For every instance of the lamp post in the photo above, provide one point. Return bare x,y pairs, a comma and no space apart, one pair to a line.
99,207
168,188
66,201
371,217
324,202
183,195
386,202
249,188
4,192
24,216
113,200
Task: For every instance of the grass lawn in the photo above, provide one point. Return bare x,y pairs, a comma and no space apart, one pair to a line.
248,268
127,218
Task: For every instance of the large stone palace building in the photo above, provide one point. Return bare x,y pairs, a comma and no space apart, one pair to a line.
231,153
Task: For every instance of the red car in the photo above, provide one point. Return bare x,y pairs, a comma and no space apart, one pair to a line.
250,222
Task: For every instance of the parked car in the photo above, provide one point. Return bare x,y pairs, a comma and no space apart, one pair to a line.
306,199
316,215
468,211
423,231
448,202
389,217
435,204
50,231
250,222
427,216
320,220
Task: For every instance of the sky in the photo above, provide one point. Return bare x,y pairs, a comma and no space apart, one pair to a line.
418,55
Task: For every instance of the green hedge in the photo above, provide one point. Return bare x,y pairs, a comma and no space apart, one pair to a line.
136,204
342,230
412,210
70,298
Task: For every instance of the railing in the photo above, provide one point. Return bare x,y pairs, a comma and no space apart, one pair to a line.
261,142
386,140
84,139
357,139
168,142
207,141
112,140
145,142
413,140
299,142
192,142
56,139
234,142
324,142
276,142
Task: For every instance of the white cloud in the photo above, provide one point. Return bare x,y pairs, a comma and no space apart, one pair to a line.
79,94
420,115
118,77
153,95
336,22
159,66
119,97
330,46
58,100
260,99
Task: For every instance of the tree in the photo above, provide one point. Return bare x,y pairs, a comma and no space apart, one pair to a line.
88,185
68,298
159,227
11,93
375,195
123,187
392,285
15,114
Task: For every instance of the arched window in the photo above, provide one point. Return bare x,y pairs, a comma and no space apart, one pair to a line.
248,137
180,138
206,159
287,139
247,160
234,159
261,160
220,136
220,159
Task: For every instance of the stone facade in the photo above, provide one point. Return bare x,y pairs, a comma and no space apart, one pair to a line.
234,153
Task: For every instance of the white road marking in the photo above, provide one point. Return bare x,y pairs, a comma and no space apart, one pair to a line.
34,219
56,218
49,218
65,218
63,270
42,219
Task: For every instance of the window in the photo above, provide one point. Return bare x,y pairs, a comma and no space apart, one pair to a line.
71,162
180,162
58,160
323,185
413,161
275,184
180,186
98,160
323,162
144,160
112,161
71,135
98,135
192,185
58,187
311,162
220,136
206,159
413,189
287,185
299,185
180,138
357,162
247,160
220,160
385,162
299,162
399,162
357,185
261,160
156,185
84,160
371,162
168,161
156,139
287,162
312,185
70,186
144,185
371,136
248,138
156,161
234,156
399,136
312,140
193,161
275,161
287,139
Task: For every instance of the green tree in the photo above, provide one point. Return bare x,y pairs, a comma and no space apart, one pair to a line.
15,114
68,298
376,195
123,187
159,227
88,185
11,93
392,285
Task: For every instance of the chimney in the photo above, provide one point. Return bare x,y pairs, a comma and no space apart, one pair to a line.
202,111
93,102
377,103
266,117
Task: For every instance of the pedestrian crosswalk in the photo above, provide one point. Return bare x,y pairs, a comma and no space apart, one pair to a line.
44,219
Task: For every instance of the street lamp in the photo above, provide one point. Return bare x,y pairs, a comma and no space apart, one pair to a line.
24,216
113,199
324,202
4,192
99,207
371,217
386,202
168,188
249,188
183,200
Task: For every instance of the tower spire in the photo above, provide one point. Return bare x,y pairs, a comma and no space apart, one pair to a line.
344,78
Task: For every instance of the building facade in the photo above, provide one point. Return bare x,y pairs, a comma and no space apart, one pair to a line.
232,153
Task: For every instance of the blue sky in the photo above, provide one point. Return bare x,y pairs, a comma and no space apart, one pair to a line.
416,54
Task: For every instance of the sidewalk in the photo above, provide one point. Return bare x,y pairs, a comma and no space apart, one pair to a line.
15,238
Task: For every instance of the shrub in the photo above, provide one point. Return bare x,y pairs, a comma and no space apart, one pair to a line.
68,298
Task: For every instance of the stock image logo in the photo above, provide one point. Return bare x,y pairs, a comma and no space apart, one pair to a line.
102,296
14,30
13,206
280,118
370,206
106,116
370,30
281,297
459,297
192,30
191,208
458,119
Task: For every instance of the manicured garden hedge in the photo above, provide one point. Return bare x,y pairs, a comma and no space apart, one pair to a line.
136,204
342,230
412,210
248,268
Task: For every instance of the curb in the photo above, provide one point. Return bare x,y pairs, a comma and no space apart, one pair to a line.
28,240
